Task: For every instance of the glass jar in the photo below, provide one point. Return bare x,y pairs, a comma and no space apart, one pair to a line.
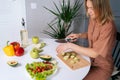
24,38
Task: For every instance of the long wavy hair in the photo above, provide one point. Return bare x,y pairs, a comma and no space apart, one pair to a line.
102,10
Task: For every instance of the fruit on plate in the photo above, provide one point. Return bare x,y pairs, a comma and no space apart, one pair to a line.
46,57
19,51
35,39
12,63
40,70
35,53
16,45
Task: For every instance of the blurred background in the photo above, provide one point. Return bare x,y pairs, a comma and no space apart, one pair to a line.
37,18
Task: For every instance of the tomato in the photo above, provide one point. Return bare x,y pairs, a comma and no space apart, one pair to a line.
38,70
34,71
16,45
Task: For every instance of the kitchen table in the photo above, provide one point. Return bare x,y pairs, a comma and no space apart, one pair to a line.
19,72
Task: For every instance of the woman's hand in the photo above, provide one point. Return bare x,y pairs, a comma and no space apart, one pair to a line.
73,37
63,47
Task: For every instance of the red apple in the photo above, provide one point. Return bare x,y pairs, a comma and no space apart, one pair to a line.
19,51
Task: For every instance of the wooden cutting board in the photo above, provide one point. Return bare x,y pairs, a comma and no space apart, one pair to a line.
75,62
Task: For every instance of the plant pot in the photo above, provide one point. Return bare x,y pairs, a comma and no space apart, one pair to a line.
61,40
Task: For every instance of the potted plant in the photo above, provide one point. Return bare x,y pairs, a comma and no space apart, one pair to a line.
65,14
58,30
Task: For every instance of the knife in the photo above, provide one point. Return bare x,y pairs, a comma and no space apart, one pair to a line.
69,39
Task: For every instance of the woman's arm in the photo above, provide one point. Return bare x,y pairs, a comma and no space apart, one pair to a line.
74,36
82,50
83,35
80,35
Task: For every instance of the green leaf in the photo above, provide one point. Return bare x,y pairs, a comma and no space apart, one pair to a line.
51,11
57,7
65,14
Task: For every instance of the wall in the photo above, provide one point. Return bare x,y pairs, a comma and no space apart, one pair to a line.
115,5
11,12
38,17
81,24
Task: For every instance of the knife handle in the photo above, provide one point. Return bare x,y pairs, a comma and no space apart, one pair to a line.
69,39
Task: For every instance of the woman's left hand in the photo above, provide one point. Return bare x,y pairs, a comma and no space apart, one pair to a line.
63,47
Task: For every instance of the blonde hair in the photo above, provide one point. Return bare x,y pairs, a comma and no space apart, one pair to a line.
102,10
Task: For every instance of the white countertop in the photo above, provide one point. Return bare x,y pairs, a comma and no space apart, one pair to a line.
19,73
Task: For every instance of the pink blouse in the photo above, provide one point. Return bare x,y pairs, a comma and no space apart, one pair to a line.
102,39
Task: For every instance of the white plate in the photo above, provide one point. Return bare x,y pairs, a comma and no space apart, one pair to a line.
52,75
48,77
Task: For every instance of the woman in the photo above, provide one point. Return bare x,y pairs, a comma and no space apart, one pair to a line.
101,36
